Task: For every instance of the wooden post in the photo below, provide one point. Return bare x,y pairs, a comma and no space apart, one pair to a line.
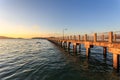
64,37
79,37
75,49
65,45
70,37
104,52
102,37
68,46
115,36
74,37
79,47
67,37
85,37
82,38
116,62
61,43
95,37
110,37
88,52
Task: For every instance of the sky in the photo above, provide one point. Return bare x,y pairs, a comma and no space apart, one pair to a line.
42,18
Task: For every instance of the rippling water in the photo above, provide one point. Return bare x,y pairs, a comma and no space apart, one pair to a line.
42,60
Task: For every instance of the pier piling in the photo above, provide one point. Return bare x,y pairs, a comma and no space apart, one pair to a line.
87,52
68,46
116,62
105,52
79,48
75,49
107,41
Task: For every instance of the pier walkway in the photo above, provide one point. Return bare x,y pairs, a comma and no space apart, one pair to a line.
110,41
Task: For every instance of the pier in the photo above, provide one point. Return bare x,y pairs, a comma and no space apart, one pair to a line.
110,41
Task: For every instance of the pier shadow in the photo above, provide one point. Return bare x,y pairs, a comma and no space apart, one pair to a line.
96,64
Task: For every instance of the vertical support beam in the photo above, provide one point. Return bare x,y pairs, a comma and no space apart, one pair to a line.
68,46
88,52
65,45
79,48
115,36
82,38
104,52
74,37
75,49
61,43
95,37
70,37
78,37
110,37
67,37
85,37
102,37
58,41
64,37
116,62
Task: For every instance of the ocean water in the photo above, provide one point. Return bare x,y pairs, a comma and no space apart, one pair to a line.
39,59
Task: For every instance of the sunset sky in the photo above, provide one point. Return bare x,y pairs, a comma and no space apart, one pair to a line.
30,18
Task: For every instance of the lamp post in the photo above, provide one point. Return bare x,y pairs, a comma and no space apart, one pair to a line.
63,32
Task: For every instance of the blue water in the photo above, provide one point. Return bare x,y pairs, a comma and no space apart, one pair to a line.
39,59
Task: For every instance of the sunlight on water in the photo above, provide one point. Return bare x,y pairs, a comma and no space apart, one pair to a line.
41,60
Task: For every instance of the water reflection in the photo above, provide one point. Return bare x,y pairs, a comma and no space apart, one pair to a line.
30,60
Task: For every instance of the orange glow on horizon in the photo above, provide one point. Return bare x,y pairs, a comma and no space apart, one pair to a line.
25,35
10,29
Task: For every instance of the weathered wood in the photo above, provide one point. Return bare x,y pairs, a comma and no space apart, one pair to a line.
88,52
104,52
113,47
116,62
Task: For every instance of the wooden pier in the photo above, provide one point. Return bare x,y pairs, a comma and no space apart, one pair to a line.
109,41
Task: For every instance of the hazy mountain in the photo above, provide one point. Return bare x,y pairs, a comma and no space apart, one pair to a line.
38,38
4,37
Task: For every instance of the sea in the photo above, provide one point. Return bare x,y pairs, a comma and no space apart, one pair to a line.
40,59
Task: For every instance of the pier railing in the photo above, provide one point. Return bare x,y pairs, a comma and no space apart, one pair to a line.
96,37
103,37
116,36
90,37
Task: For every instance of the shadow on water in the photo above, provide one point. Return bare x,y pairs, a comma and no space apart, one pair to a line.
94,67
31,60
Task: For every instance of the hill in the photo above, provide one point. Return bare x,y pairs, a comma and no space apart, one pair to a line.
4,37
